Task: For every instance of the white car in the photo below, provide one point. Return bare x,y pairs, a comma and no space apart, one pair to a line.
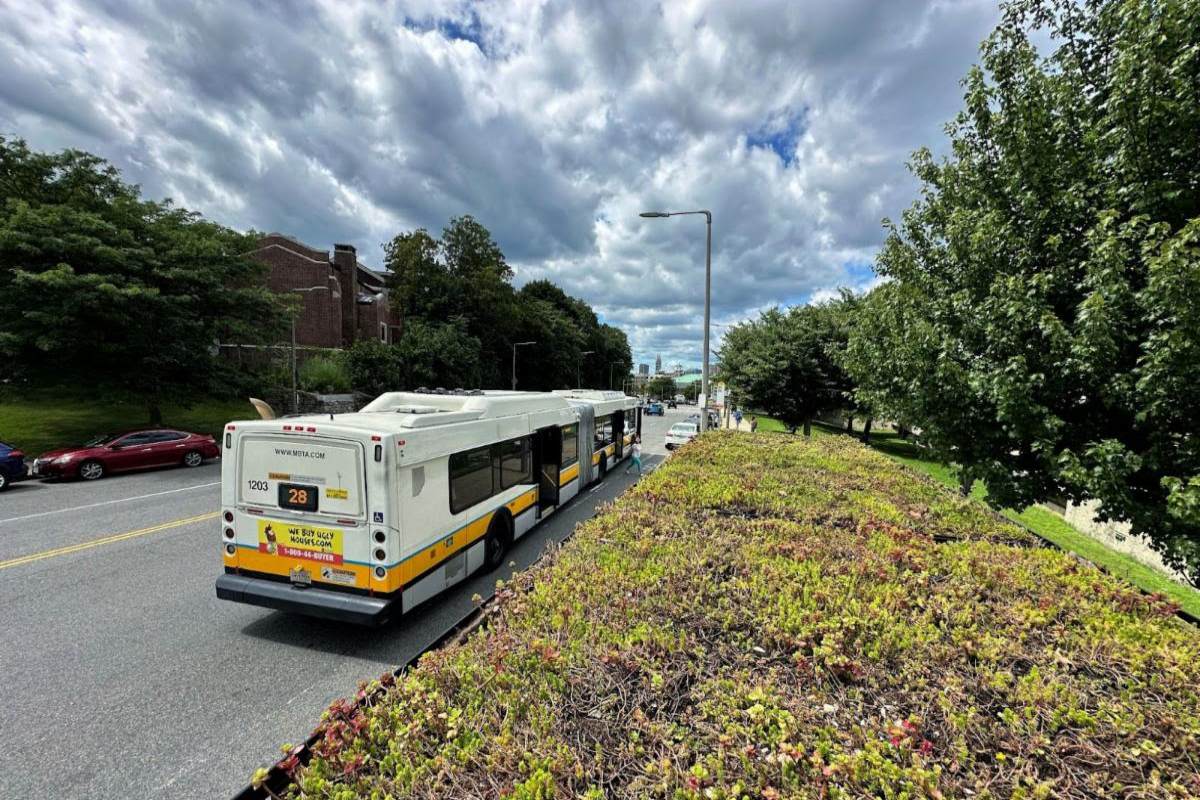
681,433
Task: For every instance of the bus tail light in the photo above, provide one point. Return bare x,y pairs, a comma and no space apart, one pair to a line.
229,534
380,537
229,516
380,572
380,555
230,549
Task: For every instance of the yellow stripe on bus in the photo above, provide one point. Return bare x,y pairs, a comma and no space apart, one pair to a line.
254,560
569,474
398,575
523,502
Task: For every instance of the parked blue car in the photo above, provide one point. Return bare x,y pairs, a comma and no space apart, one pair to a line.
12,465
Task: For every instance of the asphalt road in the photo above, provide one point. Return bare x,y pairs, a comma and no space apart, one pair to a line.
124,676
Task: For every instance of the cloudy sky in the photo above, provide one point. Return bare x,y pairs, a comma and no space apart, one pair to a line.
554,123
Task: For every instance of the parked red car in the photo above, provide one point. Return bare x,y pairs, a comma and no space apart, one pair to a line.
159,447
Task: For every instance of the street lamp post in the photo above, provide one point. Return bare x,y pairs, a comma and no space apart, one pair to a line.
295,369
707,298
579,368
514,366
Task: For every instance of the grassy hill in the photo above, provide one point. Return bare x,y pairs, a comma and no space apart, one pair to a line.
769,617
45,420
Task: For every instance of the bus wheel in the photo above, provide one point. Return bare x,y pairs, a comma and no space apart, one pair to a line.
495,544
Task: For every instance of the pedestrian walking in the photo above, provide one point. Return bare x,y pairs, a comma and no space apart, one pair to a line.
753,423
737,416
635,453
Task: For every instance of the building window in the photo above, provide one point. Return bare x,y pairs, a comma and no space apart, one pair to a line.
570,445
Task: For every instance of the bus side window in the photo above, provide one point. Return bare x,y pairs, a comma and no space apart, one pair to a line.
470,478
604,431
570,445
516,465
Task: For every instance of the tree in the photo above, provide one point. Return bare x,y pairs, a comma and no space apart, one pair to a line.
374,367
418,284
464,276
125,296
438,355
611,356
488,301
551,362
614,359
1044,327
783,364
660,387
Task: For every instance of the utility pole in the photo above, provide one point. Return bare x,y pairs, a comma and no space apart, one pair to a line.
579,368
514,361
295,369
707,298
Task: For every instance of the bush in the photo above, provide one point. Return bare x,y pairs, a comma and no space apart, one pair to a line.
373,367
769,617
325,375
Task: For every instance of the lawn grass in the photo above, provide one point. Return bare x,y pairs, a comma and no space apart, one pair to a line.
787,617
43,421
1042,521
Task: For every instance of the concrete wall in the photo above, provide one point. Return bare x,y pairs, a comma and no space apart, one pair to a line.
1116,536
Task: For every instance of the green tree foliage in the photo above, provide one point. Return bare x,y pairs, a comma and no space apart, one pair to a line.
660,387
121,295
787,363
463,278
1044,329
429,355
373,366
437,354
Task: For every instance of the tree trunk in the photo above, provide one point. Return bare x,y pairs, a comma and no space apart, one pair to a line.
807,426
155,412
964,486
866,435
849,424
903,430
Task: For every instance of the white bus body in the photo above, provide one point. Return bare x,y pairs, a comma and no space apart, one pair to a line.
361,517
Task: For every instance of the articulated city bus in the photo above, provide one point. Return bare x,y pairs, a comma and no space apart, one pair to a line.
361,517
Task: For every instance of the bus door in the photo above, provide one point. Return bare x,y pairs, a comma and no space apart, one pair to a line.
547,455
618,426
638,412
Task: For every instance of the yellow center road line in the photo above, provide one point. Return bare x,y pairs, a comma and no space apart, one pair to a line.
116,537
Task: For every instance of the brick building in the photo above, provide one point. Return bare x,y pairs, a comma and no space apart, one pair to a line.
342,301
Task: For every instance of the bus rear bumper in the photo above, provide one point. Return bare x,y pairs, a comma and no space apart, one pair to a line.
314,602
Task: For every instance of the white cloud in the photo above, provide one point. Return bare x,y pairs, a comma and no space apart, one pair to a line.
553,123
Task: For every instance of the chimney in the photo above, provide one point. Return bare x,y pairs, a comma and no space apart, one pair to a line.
345,263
